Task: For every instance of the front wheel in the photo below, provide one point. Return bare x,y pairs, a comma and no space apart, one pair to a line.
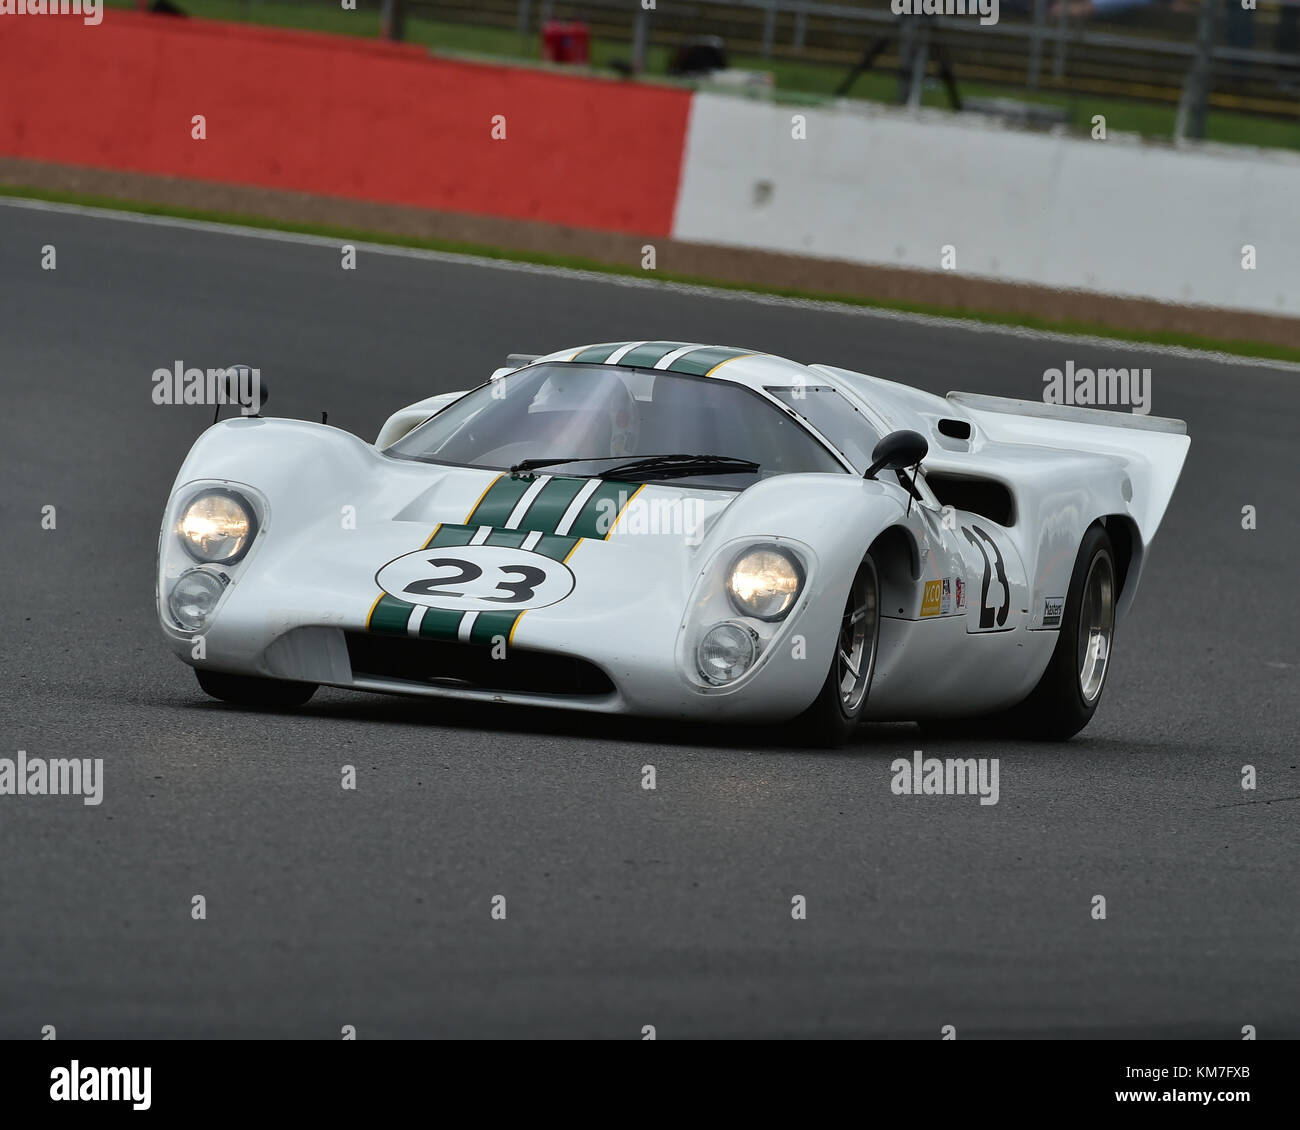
834,715
248,690
1069,692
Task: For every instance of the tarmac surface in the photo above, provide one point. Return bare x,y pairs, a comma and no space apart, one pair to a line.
626,907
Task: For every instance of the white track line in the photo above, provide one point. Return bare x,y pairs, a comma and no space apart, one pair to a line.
650,283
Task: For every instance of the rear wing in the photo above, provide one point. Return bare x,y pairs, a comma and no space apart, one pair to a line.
977,401
1151,448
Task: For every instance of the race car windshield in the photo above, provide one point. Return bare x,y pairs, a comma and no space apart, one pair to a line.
842,425
596,414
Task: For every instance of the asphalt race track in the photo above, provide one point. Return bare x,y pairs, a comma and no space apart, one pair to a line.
626,907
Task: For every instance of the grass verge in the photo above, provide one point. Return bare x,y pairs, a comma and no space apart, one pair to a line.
358,235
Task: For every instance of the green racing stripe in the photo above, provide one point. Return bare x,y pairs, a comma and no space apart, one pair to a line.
648,355
595,520
595,354
700,362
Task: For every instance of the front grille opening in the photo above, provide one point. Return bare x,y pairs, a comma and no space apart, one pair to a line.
471,666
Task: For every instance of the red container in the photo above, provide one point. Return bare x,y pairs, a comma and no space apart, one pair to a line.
564,42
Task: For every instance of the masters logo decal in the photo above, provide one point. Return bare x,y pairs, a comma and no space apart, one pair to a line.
513,552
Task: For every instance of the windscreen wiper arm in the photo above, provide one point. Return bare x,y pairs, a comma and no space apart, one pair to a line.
547,461
680,466
661,466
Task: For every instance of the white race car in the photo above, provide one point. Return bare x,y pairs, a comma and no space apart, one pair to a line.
676,530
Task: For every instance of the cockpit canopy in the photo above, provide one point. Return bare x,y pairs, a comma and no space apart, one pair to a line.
595,415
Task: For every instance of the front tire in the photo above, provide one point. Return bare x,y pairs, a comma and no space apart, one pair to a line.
833,717
248,690
1068,694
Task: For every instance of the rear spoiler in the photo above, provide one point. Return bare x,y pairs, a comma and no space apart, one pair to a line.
980,402
1150,448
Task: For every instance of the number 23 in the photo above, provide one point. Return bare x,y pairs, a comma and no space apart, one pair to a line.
517,592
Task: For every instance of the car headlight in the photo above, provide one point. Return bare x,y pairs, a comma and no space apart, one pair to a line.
217,527
726,652
764,582
194,596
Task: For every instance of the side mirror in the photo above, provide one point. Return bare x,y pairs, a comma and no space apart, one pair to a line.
243,386
246,387
896,451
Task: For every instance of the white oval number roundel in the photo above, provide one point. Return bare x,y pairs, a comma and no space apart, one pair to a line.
476,578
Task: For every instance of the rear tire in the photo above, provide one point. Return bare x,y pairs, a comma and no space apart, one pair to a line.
1068,694
248,690
833,717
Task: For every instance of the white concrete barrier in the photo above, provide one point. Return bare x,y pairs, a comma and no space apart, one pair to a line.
882,186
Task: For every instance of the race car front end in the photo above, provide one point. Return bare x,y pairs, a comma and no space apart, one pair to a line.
342,567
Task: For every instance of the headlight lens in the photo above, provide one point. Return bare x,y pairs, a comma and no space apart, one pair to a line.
194,596
217,526
765,583
726,652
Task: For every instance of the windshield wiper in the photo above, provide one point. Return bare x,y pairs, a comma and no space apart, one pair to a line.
547,461
660,466
680,466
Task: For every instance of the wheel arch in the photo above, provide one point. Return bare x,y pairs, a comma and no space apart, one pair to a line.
1126,544
898,565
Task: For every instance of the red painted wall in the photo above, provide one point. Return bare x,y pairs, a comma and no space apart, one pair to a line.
340,117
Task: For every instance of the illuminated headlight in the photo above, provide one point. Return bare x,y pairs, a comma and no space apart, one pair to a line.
764,583
217,527
726,652
194,596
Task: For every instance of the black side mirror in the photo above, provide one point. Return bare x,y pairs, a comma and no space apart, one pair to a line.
244,386
896,451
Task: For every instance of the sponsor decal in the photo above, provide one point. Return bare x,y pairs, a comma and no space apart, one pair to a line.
960,586
932,600
945,606
1053,609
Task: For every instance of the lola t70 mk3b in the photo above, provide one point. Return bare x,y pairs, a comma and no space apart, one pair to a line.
676,530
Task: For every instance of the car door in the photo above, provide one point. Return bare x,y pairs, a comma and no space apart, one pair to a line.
970,566
943,566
